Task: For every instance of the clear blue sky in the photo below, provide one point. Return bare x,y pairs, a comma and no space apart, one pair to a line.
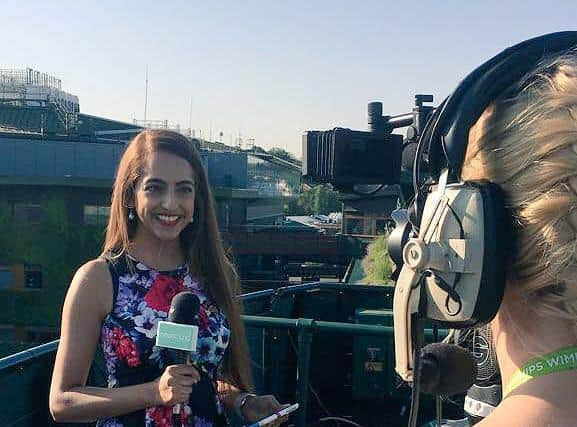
265,69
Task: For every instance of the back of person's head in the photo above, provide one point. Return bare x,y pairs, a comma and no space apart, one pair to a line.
526,142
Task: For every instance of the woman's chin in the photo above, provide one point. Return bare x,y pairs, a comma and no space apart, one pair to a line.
163,232
167,236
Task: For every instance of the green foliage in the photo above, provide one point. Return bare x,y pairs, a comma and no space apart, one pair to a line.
314,201
58,247
377,264
281,153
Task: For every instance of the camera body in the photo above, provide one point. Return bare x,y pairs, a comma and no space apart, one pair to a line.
347,158
344,157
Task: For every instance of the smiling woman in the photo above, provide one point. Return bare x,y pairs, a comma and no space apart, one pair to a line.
162,238
164,197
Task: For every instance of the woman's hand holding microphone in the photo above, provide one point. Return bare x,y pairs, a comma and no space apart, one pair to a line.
175,385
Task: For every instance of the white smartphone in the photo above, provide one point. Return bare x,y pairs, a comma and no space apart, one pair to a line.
285,411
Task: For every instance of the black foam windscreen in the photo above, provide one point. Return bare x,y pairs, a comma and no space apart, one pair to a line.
446,369
184,308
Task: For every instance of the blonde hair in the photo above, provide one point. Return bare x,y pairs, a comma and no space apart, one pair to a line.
527,143
200,241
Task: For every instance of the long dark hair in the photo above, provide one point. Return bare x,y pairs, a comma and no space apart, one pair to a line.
200,241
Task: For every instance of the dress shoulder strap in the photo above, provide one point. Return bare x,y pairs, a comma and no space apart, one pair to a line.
116,266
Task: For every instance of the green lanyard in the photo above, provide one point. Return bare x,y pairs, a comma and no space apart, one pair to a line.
557,361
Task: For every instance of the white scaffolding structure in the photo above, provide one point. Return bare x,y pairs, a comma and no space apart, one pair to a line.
31,88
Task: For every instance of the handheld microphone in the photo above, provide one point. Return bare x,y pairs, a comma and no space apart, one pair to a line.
184,308
180,334
484,396
446,369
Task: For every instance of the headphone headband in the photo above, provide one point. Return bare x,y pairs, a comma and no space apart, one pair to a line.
448,138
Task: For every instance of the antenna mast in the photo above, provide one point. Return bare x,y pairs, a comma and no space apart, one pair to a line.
190,119
146,97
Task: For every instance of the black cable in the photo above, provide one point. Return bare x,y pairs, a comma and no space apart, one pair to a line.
438,409
425,139
416,387
450,290
461,230
415,394
438,401
452,294
457,275
418,189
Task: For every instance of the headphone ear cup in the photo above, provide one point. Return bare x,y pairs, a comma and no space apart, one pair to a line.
496,249
469,224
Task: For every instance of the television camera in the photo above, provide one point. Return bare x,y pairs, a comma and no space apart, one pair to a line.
351,159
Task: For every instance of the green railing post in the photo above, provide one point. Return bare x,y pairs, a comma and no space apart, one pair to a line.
305,336
275,354
305,330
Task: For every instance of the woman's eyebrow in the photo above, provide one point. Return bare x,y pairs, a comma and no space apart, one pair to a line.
154,181
162,182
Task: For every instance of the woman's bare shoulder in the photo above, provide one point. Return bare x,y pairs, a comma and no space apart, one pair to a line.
530,411
94,269
92,284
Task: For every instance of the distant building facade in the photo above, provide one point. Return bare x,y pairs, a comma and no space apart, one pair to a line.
57,168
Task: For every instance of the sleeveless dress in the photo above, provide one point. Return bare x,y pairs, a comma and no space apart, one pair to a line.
142,297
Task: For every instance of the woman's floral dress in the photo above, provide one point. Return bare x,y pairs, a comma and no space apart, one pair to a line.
142,298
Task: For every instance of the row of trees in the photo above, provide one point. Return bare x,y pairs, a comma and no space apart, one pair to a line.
281,153
317,200
321,199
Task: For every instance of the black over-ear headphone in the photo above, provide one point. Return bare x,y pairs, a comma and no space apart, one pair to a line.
456,238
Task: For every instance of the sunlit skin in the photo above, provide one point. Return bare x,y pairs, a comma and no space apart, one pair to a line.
164,204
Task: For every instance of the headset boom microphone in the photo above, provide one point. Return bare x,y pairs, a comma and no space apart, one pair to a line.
446,369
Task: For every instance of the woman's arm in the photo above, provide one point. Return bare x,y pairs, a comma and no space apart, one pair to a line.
88,301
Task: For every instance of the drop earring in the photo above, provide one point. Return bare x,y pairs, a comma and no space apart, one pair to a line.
130,214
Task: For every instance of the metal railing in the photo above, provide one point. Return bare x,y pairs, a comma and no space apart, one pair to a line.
306,328
25,374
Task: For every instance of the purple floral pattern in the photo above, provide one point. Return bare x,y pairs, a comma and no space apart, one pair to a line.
128,336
